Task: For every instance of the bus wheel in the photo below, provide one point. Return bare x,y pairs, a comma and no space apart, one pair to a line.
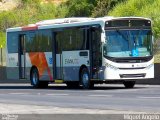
129,84
35,80
85,79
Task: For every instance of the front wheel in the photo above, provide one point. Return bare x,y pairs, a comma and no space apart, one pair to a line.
129,84
85,79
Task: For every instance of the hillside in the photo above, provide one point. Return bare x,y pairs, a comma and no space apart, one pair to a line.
25,12
6,5
22,12
53,1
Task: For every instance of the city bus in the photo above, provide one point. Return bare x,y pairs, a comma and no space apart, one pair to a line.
81,51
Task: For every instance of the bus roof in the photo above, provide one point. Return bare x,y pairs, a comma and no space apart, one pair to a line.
68,22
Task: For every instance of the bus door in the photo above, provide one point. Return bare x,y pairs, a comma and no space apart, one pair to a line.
22,59
95,51
57,55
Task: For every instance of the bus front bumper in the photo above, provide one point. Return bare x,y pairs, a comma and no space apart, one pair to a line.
109,73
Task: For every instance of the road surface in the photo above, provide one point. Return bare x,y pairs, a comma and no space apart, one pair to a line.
58,99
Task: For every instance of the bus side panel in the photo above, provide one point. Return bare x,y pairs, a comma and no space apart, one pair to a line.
28,66
48,74
12,66
72,61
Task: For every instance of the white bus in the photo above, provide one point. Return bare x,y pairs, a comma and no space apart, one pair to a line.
82,51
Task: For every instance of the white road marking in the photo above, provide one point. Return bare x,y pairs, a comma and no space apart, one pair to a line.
143,97
128,90
19,93
100,95
99,90
57,94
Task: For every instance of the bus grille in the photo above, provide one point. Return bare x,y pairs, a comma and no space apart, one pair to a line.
132,75
132,68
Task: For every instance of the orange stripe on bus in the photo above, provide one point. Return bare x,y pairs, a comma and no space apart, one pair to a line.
25,28
39,60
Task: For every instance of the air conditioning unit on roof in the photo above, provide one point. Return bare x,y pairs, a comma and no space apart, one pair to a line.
64,20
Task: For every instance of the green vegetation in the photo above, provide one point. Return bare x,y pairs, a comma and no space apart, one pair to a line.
93,8
145,8
28,12
31,11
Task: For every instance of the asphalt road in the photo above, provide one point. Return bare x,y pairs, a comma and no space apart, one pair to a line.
58,99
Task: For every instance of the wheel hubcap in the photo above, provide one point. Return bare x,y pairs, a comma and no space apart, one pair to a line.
85,79
35,78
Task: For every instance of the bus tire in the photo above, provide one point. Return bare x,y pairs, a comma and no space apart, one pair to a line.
85,79
129,84
35,80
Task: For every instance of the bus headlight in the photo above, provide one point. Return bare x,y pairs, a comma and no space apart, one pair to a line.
111,66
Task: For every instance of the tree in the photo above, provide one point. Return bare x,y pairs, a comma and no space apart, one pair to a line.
103,7
78,8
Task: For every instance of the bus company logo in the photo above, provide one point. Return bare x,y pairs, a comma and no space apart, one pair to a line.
71,61
50,60
11,59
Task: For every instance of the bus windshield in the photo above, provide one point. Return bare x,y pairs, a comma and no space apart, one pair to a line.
128,43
